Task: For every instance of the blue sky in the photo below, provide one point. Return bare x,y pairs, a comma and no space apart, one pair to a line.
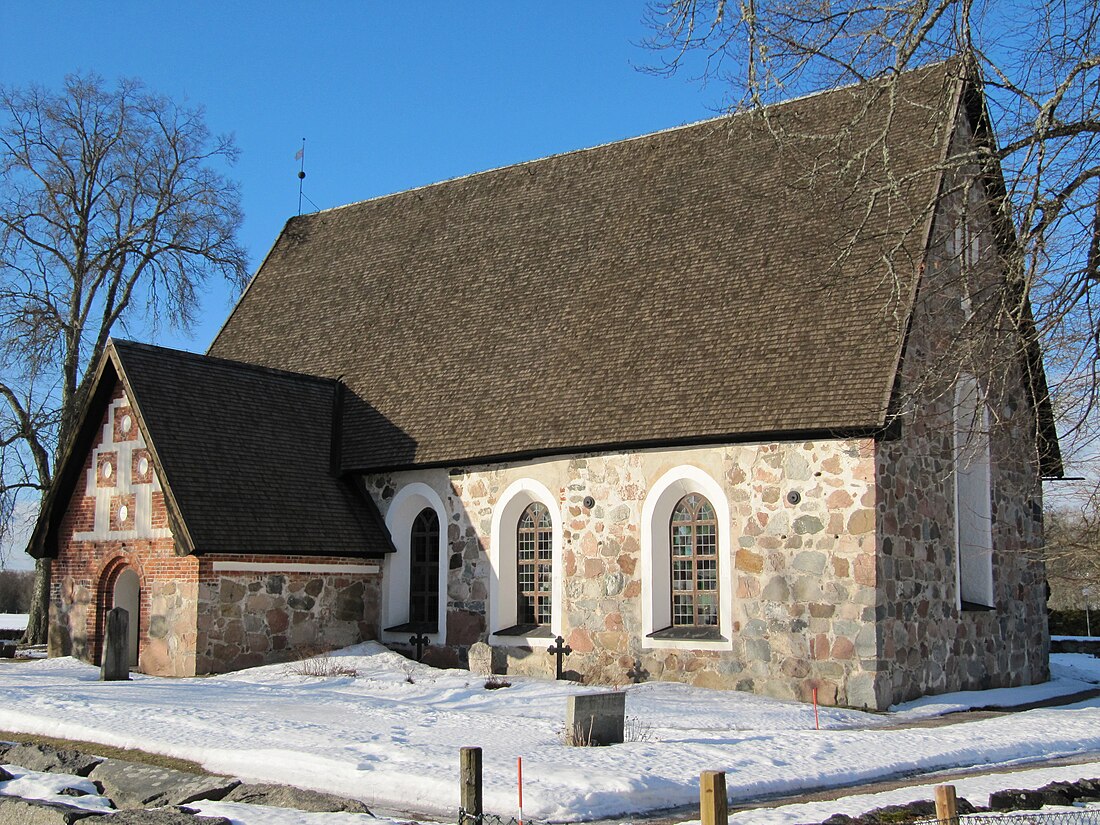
387,95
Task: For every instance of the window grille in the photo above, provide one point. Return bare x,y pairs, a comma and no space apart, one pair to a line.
694,543
424,568
534,565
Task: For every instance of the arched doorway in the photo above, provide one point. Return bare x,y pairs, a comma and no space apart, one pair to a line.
127,595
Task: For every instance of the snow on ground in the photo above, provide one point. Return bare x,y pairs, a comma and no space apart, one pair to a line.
391,735
48,786
241,814
13,621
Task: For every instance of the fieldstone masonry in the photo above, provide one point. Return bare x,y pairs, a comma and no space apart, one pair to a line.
252,618
927,644
802,574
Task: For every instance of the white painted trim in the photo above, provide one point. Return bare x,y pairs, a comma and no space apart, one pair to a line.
502,559
403,510
275,567
656,557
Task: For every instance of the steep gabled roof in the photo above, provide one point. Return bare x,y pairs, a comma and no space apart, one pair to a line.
244,454
703,283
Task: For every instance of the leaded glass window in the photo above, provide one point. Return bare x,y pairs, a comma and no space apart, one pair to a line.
424,568
534,565
694,543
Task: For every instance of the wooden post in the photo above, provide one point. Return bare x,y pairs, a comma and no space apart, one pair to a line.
470,782
115,664
947,809
713,809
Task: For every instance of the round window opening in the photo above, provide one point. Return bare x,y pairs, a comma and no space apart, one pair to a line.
126,423
107,470
143,466
123,512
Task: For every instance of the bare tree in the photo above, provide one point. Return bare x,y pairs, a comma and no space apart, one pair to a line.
1072,555
1038,63
16,587
113,212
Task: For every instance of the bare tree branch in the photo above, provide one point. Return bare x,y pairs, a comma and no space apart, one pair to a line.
112,210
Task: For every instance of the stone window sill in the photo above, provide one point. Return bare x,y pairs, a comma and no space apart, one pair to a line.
522,635
688,634
686,638
413,627
974,607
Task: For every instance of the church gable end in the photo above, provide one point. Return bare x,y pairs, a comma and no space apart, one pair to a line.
114,547
183,503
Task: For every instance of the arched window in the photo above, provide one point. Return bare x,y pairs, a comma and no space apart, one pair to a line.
424,568
414,597
534,565
525,557
694,545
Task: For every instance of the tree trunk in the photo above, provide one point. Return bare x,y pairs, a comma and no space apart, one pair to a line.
38,625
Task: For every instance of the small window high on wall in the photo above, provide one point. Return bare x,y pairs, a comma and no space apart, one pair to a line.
973,497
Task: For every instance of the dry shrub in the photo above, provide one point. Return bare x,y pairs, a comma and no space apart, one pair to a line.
320,666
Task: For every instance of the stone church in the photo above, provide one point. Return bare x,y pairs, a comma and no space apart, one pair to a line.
713,405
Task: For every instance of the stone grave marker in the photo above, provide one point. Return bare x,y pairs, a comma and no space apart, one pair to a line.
115,666
480,656
596,718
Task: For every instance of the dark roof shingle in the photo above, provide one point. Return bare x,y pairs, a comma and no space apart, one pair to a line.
699,283
246,454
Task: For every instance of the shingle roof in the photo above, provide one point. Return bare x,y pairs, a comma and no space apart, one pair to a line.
244,454
247,455
699,283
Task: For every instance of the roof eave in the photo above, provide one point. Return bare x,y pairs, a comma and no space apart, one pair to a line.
874,429
893,385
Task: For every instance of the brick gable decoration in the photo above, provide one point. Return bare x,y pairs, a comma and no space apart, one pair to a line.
755,456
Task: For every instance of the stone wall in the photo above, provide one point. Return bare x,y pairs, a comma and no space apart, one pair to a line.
927,643
257,610
116,520
799,575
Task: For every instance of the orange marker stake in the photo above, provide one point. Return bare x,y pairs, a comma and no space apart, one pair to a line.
519,771
817,725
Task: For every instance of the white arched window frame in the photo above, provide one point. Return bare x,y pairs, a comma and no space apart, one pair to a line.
657,557
503,592
973,498
409,502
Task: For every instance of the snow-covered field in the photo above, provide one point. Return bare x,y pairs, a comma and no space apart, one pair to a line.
390,735
13,621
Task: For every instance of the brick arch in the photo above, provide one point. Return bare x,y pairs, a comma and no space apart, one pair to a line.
107,575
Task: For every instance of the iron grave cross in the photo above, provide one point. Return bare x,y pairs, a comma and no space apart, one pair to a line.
559,649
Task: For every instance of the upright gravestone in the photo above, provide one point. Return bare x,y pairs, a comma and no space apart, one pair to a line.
480,657
115,666
596,718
